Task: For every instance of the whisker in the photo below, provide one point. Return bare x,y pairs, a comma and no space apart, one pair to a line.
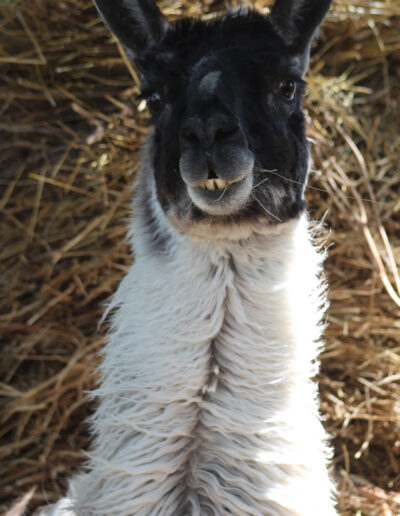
265,169
223,193
264,208
274,172
260,183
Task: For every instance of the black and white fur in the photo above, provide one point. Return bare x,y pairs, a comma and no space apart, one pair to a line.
206,404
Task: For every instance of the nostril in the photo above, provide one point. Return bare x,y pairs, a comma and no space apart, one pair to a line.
190,134
192,130
226,131
216,128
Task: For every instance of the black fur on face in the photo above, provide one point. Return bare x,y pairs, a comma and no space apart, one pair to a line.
226,102
248,64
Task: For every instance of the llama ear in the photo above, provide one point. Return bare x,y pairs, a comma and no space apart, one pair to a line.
138,24
297,22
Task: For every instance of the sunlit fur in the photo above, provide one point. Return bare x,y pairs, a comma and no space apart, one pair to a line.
206,404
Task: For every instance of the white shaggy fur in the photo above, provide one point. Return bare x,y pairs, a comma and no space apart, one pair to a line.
206,406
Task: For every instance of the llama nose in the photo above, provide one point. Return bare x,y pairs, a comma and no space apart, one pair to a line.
215,129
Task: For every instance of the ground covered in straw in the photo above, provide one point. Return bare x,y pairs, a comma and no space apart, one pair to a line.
70,133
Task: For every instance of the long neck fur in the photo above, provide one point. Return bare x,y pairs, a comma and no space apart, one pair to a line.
206,404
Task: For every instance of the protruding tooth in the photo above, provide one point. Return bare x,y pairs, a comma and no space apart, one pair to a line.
214,184
209,184
221,184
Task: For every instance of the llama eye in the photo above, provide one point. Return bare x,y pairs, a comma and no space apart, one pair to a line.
154,102
287,89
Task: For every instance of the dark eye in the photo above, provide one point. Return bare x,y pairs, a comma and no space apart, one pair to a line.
287,89
154,102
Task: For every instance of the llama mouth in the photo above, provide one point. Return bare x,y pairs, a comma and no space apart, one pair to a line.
220,197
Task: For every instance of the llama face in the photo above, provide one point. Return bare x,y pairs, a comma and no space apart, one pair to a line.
230,138
225,96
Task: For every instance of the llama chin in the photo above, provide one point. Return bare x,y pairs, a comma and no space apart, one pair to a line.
206,404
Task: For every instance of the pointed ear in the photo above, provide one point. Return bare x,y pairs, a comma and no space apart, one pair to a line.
297,22
138,24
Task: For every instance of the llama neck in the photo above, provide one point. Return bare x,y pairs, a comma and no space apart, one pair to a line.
267,280
208,373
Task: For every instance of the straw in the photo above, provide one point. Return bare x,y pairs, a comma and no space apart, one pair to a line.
70,135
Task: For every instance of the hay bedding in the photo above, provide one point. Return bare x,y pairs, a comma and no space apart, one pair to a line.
70,133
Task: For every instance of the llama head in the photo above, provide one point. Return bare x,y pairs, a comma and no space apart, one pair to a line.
226,101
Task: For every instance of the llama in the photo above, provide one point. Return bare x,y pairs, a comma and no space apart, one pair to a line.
206,404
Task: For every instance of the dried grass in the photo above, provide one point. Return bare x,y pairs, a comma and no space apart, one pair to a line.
70,133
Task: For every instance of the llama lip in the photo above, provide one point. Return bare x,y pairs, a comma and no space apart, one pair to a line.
223,197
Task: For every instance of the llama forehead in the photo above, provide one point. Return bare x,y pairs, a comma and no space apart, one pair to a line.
238,38
228,69
228,50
